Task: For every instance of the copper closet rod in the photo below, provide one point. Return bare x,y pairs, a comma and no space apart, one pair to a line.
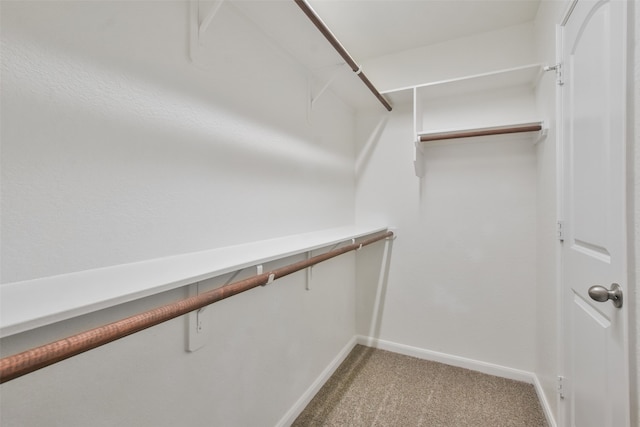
20,364
326,32
469,134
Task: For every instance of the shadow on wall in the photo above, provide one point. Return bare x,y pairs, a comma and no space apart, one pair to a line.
372,266
365,152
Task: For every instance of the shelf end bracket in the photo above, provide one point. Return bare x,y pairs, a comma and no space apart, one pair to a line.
418,161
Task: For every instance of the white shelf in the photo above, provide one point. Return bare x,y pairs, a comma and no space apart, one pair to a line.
526,75
35,303
512,130
285,25
430,93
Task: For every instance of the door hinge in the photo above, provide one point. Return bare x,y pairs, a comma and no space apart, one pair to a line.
561,387
560,228
558,69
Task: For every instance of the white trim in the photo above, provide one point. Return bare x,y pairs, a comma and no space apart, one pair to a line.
449,359
297,408
561,409
567,12
546,407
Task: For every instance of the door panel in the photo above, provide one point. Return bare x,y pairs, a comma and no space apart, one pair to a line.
594,249
588,102
590,326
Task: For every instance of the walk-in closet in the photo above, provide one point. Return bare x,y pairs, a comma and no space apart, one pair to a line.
230,212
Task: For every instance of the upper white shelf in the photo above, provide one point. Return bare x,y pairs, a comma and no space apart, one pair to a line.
518,76
35,303
285,25
427,94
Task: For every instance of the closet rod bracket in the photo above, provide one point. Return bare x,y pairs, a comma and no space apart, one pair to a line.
558,69
272,278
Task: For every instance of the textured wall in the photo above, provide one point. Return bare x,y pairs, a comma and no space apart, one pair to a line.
117,148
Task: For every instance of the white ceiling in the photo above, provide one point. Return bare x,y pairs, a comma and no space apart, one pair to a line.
373,28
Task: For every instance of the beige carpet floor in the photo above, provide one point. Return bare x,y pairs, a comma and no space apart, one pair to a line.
379,388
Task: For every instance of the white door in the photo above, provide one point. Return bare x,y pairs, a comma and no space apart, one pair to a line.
595,343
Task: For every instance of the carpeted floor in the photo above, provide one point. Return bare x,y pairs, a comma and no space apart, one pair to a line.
379,388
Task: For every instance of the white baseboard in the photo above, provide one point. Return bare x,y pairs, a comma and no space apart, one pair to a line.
306,397
420,353
546,408
463,362
448,359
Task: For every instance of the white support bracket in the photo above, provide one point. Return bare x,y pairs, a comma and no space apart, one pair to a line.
394,230
418,159
543,132
196,324
202,14
309,273
314,97
205,17
322,90
270,280
558,69
233,277
259,271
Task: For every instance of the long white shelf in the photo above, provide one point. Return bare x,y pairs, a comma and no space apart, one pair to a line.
35,303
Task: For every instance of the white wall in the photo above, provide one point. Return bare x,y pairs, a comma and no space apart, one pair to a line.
265,348
463,272
481,53
462,275
117,148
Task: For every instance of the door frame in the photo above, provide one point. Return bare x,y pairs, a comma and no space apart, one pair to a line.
630,290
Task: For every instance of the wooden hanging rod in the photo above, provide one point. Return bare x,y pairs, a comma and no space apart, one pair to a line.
20,364
326,32
468,133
